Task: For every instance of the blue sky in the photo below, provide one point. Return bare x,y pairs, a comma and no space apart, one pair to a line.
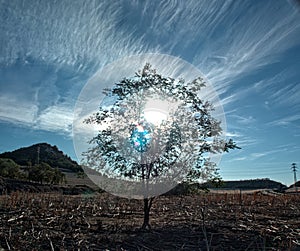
248,50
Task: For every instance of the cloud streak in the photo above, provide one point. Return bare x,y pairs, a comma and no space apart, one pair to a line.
223,39
65,33
16,111
53,119
281,89
285,121
56,119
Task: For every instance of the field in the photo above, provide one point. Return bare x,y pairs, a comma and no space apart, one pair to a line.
227,221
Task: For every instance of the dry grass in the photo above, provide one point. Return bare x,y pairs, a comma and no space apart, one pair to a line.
50,221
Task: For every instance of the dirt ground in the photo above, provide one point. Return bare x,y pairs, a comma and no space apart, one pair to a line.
53,221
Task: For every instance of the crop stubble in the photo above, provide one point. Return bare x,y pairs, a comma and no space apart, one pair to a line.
54,221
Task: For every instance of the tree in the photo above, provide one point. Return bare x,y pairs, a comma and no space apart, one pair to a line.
9,169
43,172
35,173
47,173
58,177
130,146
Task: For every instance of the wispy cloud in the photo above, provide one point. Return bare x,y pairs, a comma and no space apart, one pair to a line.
17,111
54,118
72,33
64,33
275,150
231,97
243,138
281,89
250,155
255,47
239,159
233,134
243,120
223,39
285,121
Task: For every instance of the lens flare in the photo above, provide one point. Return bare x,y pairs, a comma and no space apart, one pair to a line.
140,138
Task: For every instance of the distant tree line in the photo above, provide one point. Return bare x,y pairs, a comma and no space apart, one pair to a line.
264,183
186,188
42,172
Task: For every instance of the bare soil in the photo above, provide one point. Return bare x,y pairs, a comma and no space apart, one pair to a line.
52,221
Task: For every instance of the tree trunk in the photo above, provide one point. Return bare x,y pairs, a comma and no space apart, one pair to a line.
147,207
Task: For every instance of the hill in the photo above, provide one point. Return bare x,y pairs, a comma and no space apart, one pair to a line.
251,184
42,152
18,172
297,184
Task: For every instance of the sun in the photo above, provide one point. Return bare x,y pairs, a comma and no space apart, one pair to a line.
155,116
158,110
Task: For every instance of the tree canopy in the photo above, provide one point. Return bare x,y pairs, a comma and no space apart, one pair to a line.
43,172
130,147
9,169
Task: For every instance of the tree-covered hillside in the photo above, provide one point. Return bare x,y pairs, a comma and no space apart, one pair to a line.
251,184
42,152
